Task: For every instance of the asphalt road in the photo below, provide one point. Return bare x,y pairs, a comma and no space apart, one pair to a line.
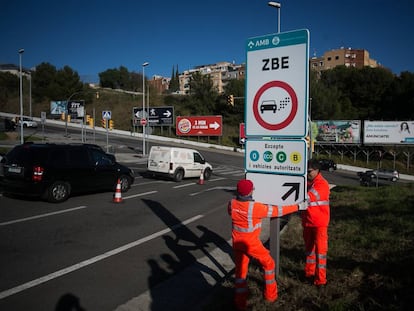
119,256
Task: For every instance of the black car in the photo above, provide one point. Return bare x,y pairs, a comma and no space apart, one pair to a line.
55,171
327,165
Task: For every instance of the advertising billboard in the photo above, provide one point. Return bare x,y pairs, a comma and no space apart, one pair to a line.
199,126
388,132
338,131
57,107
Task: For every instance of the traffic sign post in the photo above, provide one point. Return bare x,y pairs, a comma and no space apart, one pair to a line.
276,121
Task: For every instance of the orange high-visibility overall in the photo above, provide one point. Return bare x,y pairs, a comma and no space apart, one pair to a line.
315,221
246,227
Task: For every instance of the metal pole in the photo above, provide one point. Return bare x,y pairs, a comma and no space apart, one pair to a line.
21,51
30,94
275,222
143,109
143,106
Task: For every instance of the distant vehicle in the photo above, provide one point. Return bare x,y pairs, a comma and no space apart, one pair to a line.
177,163
387,174
268,105
55,171
327,165
7,124
28,122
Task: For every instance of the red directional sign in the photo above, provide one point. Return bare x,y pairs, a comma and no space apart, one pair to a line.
199,126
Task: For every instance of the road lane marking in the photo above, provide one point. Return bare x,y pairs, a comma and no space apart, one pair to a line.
185,185
41,216
93,260
139,195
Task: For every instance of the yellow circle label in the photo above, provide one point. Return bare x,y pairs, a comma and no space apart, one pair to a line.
295,157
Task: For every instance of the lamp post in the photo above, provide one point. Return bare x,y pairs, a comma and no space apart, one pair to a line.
21,51
143,106
276,5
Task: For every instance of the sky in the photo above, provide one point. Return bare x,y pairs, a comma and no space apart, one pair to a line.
92,36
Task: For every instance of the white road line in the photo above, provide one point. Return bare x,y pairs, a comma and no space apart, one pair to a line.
139,195
185,185
90,261
41,216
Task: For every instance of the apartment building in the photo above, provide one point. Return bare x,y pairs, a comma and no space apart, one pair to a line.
348,57
220,73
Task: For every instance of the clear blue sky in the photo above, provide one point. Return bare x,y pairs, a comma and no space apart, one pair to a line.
92,36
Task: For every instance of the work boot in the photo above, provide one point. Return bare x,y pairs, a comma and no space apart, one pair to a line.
270,292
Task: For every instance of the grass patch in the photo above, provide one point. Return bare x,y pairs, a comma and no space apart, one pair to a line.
370,257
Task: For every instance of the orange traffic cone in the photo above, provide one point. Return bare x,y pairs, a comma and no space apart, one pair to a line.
117,195
201,180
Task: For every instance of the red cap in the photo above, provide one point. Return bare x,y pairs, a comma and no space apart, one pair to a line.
244,187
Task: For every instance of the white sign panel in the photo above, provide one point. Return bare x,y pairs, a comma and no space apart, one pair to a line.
276,156
278,189
277,84
388,132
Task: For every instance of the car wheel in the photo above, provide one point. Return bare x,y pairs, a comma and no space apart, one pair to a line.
393,179
178,175
331,169
207,174
57,192
125,183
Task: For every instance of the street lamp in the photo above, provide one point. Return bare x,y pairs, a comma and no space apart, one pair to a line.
143,106
276,5
21,51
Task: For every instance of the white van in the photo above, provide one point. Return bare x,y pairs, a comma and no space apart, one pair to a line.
177,163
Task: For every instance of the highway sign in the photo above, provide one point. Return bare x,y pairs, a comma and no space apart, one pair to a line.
278,189
199,126
156,116
277,84
276,156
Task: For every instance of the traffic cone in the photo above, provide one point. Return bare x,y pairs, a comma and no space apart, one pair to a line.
201,180
118,195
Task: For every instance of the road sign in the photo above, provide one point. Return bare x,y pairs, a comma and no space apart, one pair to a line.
278,189
277,84
199,126
276,156
156,116
106,114
242,134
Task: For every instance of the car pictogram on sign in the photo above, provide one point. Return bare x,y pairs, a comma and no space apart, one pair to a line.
268,105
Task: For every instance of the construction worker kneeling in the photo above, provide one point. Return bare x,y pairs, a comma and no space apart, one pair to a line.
247,215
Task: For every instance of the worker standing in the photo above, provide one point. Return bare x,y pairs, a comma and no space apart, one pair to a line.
315,221
247,215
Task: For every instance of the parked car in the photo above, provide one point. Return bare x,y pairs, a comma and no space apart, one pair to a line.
55,171
28,122
392,175
177,163
327,165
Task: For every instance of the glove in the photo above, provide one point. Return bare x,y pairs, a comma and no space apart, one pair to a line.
302,206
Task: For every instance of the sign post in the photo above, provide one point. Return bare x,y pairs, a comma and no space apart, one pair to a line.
276,121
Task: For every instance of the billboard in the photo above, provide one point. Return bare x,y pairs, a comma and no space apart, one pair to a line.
388,132
337,131
199,126
57,107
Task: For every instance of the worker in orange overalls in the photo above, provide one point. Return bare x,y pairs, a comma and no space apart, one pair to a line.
247,215
315,221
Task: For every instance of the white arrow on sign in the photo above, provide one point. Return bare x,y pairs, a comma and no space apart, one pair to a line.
214,125
167,113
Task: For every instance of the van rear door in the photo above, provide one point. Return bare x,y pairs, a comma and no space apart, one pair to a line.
159,159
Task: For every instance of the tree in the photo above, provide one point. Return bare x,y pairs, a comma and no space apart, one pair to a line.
203,94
